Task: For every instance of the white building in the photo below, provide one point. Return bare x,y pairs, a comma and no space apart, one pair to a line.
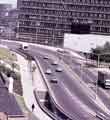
84,42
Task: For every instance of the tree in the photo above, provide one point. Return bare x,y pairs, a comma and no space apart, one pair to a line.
104,50
106,47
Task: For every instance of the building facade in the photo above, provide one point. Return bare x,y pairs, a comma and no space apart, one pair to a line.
4,22
4,8
46,21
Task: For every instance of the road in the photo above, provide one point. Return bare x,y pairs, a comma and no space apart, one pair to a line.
89,76
68,85
69,94
91,79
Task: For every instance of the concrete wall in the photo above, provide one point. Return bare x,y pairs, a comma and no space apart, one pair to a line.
18,118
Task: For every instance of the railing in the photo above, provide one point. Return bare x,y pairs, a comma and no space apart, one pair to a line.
17,117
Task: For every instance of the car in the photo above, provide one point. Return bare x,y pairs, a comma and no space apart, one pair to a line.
25,47
59,69
46,57
55,63
60,50
54,80
48,71
20,46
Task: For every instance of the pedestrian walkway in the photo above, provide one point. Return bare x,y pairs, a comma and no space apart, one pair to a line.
38,83
27,84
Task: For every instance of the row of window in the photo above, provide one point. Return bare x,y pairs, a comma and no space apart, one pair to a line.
66,13
44,25
40,30
89,8
101,29
45,18
52,33
101,2
60,20
92,15
100,22
27,23
27,30
55,34
70,7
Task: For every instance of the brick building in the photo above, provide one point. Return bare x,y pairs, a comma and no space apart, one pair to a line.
46,21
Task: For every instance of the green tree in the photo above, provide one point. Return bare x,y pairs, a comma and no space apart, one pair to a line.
105,50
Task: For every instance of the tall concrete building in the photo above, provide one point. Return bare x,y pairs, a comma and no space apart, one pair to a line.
4,9
46,21
4,22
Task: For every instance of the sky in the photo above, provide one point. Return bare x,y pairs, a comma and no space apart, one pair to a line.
9,1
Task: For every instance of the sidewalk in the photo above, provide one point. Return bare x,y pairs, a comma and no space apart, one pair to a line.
38,83
27,84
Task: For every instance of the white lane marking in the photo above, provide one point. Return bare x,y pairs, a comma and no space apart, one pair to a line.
80,103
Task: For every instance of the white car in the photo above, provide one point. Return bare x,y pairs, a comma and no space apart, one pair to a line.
60,50
46,57
55,63
25,46
48,71
59,69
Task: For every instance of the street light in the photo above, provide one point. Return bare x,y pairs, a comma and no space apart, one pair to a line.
37,24
98,63
17,32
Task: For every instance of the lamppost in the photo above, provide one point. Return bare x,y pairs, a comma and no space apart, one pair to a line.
17,31
37,24
98,63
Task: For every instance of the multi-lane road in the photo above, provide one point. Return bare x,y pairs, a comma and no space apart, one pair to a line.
72,94
77,104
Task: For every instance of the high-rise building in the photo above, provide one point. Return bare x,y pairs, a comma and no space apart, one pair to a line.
4,21
4,9
46,21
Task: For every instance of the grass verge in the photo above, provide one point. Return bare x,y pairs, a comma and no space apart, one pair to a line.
5,54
